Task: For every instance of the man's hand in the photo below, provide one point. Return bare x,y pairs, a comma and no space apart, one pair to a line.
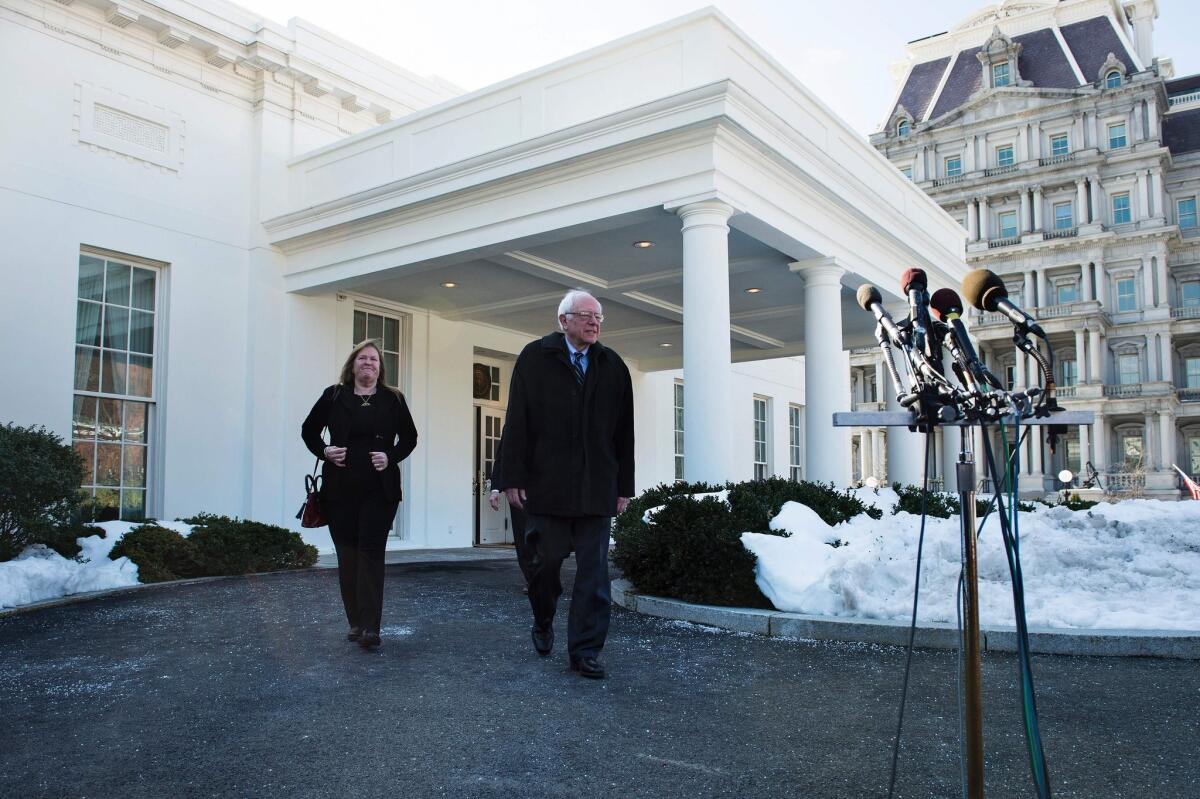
516,497
622,504
494,499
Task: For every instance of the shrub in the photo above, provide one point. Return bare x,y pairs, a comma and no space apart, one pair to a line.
755,503
943,506
160,554
39,487
63,540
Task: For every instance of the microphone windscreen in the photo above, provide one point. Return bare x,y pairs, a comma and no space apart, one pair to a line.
913,278
981,286
867,296
945,302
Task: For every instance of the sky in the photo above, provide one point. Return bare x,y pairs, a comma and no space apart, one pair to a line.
842,50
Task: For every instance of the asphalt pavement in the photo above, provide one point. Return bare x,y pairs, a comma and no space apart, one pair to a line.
246,688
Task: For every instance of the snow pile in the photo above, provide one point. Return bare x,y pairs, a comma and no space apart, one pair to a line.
1131,565
38,573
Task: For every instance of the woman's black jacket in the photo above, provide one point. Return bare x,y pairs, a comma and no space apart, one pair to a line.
394,431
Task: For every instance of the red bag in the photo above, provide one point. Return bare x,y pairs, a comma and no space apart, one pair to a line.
311,513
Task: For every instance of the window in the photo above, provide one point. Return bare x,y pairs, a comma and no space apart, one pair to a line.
795,468
869,389
906,171
678,430
1185,212
1112,80
1004,155
1194,455
1190,292
1010,376
1131,450
1116,135
762,466
1126,294
903,128
1128,371
1069,373
1064,216
1191,372
114,385
385,330
1000,75
1120,208
1008,224
1066,291
1060,144
953,166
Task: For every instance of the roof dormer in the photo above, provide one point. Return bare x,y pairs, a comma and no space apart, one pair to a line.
998,57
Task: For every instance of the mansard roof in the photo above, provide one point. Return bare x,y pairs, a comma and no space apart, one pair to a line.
1181,131
1042,61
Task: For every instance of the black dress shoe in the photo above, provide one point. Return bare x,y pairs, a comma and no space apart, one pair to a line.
369,639
588,667
543,640
354,634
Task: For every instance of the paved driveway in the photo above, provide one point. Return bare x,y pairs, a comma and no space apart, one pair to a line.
245,687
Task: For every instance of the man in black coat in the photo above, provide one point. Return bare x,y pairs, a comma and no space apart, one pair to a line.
567,460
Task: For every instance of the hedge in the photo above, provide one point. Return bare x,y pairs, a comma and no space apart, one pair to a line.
39,491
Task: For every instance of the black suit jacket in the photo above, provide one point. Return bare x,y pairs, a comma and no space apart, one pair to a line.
394,430
569,447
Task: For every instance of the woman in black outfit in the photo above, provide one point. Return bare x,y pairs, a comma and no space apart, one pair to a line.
370,433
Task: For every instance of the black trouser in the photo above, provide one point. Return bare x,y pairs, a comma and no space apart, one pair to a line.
520,543
359,527
551,539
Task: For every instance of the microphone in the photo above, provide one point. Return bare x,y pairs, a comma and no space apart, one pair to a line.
987,292
869,299
914,284
947,308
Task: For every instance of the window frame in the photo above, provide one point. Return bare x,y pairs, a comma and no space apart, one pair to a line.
1130,377
1184,300
1005,155
907,171
795,431
1066,140
1132,295
1066,283
1001,75
1000,227
1191,371
677,401
1124,137
761,446
1180,215
1070,219
957,159
903,128
1068,375
1125,209
1109,83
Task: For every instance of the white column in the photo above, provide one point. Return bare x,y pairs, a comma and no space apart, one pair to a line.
1043,298
1097,192
969,156
1167,368
973,219
1135,135
1152,118
866,448
1147,284
1025,220
882,380
919,166
1094,129
1022,153
706,348
1160,273
1080,202
1037,437
1143,194
1101,283
1157,208
1037,208
1100,444
1166,430
1020,382
862,455
1027,290
1035,143
983,219
1097,364
1084,449
1148,459
1080,362
1078,141
951,443
1089,289
827,452
877,444
905,449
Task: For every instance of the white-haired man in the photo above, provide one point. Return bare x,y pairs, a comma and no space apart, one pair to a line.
568,460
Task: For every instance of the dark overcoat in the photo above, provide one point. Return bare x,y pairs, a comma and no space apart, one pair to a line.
394,431
569,447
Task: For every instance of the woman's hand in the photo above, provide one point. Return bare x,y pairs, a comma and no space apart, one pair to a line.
379,461
336,455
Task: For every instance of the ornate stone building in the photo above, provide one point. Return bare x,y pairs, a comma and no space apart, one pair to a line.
1070,154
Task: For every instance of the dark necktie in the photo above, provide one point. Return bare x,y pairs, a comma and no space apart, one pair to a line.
577,366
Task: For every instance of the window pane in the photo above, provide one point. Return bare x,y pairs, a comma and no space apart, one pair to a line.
116,327
86,450
391,334
83,424
1192,370
91,278
391,367
133,505
1059,145
143,289
87,369
141,375
113,372
1187,213
87,323
134,470
1194,454
360,326
1113,80
1067,292
108,464
141,332
116,285
1063,218
374,327
1004,156
1116,135
135,421
106,506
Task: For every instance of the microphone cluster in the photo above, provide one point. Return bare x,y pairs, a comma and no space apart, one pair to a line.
934,324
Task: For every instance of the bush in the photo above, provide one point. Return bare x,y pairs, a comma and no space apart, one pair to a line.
757,502
943,506
217,546
39,487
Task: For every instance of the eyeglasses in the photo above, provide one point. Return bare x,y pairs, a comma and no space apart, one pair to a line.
587,316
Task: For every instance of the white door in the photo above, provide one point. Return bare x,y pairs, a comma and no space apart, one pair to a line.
493,526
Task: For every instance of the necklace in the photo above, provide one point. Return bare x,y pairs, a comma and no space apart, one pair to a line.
366,399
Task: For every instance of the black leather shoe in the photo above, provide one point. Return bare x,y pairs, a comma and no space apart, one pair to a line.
354,634
588,667
369,639
543,640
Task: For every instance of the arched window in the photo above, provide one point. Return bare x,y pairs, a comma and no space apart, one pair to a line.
1112,80
903,128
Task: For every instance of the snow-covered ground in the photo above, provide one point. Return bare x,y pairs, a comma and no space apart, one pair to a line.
38,573
1130,565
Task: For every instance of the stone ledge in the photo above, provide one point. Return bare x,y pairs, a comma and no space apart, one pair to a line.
1183,645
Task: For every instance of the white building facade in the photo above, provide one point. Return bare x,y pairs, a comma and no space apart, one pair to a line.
204,211
1071,157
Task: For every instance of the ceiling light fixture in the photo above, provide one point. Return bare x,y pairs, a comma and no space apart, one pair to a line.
753,290
449,284
666,344
643,245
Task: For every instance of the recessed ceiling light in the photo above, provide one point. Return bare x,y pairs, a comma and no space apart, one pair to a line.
643,245
666,344
449,284
753,290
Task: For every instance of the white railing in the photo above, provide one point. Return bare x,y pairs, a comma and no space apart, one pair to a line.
1000,170
1061,233
1056,311
1004,242
992,319
1192,312
1188,394
1124,481
948,180
1056,159
1123,390
1184,99
1065,392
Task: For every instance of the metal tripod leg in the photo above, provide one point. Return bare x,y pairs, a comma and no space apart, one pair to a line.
972,671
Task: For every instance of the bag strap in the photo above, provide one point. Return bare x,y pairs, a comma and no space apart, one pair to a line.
337,389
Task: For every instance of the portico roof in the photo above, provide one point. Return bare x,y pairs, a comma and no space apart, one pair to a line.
545,181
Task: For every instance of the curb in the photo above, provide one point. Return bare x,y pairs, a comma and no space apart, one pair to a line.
1181,645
